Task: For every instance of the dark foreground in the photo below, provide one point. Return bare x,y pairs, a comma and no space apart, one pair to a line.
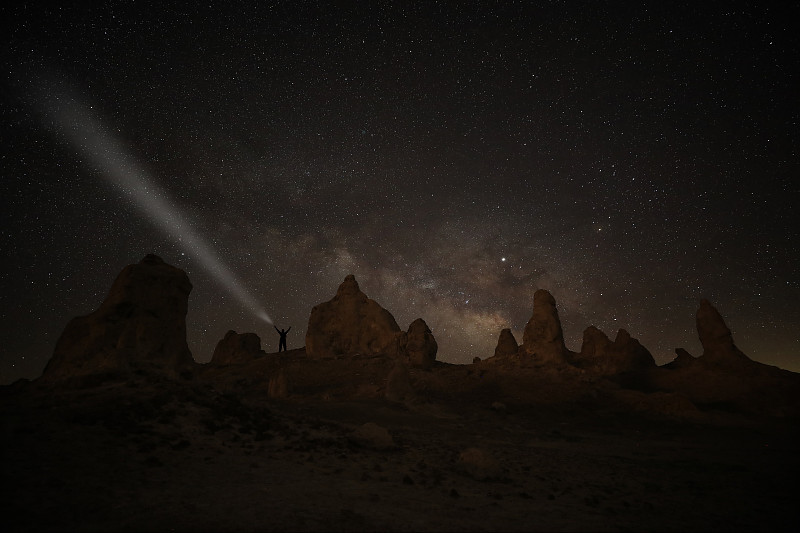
136,457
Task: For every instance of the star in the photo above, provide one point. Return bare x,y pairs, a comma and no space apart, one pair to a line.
436,157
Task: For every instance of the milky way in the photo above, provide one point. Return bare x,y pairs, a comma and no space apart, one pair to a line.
454,157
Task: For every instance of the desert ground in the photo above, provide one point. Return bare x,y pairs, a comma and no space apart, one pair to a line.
211,454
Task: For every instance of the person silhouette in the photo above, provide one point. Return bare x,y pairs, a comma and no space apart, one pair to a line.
282,333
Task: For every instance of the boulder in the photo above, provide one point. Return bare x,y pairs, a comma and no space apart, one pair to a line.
506,344
499,407
141,325
543,338
479,464
604,357
237,348
349,324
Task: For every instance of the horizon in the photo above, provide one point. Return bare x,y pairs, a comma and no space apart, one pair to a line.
463,361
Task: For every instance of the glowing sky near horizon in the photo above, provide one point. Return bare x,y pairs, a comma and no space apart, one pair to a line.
455,157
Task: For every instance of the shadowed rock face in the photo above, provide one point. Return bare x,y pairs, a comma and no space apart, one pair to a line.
140,325
398,383
682,359
543,337
350,323
506,344
278,385
601,355
725,378
421,346
716,338
237,348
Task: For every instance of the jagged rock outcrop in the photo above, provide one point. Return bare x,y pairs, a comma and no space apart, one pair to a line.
506,344
716,338
349,324
237,348
683,359
141,325
543,338
602,356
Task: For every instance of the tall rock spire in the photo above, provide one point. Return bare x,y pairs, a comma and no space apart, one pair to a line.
716,338
543,337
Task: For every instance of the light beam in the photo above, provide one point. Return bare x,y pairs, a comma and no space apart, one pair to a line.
88,135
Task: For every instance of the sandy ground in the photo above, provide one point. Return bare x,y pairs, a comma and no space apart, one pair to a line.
132,457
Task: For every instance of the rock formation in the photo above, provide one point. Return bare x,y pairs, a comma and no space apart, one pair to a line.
349,324
421,346
725,378
716,338
543,338
682,359
506,344
141,325
278,385
601,355
719,351
416,347
237,348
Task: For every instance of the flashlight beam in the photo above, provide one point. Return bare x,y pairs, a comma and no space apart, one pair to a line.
86,133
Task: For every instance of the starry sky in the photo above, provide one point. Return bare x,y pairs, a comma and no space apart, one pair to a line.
631,158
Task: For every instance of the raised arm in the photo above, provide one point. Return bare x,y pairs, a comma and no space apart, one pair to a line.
287,331
276,328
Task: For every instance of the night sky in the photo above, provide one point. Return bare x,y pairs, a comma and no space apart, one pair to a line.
631,158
